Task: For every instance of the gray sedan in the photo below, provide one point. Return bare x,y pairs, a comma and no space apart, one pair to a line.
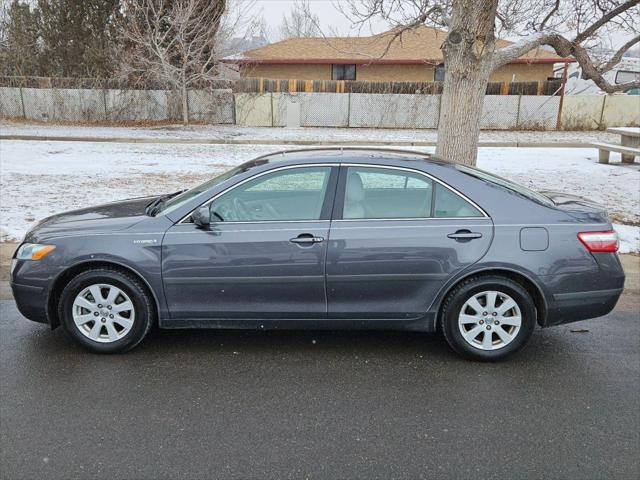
326,238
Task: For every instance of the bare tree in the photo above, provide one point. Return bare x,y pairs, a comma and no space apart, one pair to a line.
175,42
570,27
300,22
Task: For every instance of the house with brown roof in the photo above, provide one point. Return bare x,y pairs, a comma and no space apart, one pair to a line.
415,57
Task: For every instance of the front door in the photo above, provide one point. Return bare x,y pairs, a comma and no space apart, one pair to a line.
397,237
263,254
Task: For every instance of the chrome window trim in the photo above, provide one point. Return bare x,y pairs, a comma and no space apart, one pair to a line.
405,219
228,189
264,221
365,165
419,172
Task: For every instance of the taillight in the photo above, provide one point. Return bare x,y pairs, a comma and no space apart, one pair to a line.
600,241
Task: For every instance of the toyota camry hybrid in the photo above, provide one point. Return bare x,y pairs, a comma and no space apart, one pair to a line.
331,239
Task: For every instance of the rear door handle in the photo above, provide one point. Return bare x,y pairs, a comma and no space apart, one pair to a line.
306,239
462,235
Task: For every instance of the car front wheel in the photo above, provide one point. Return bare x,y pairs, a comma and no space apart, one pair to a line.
106,310
488,317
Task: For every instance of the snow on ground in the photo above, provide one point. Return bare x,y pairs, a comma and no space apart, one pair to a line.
629,238
271,135
39,178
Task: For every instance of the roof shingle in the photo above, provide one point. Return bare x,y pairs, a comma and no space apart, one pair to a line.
421,45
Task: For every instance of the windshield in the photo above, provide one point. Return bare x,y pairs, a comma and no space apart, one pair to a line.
504,183
179,200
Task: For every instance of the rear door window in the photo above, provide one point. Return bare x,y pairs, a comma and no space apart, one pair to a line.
386,193
449,204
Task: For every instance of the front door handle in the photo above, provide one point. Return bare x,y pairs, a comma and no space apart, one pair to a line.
464,235
306,239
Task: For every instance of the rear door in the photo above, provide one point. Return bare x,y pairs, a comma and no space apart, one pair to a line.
263,254
396,237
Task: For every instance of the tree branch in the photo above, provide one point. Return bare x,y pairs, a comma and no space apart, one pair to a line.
618,55
516,50
565,48
591,29
549,15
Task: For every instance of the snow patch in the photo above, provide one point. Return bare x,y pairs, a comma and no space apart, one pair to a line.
629,236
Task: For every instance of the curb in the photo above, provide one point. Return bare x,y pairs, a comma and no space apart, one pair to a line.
223,141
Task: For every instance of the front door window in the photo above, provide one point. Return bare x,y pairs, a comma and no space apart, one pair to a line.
294,194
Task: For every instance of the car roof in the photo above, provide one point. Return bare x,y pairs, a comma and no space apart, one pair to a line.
346,154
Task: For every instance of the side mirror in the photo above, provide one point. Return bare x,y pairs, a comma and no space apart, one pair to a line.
202,217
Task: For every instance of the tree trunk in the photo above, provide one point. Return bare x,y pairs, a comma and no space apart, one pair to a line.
460,112
185,104
468,52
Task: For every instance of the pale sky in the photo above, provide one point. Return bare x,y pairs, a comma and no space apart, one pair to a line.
330,17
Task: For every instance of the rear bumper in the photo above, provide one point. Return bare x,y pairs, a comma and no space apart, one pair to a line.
575,306
30,302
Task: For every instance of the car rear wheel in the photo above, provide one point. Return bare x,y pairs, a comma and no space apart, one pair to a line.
488,317
106,310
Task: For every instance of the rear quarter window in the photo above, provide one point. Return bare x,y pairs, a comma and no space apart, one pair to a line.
505,184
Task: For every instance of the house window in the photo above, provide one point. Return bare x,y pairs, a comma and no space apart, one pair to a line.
438,75
343,72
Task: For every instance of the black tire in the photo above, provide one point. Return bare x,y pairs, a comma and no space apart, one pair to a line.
131,286
456,299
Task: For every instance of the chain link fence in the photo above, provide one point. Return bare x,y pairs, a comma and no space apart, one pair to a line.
394,111
115,105
222,106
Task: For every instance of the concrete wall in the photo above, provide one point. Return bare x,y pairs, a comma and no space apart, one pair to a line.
582,112
621,110
501,112
254,109
590,112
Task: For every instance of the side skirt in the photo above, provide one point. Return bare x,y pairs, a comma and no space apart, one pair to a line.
424,324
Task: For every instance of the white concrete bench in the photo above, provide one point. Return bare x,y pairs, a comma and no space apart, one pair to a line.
605,149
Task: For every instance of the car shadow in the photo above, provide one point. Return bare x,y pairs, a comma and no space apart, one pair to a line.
183,345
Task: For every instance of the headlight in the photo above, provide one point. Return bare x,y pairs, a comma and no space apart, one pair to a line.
33,251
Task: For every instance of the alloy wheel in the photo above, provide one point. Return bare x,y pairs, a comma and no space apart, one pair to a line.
103,313
489,320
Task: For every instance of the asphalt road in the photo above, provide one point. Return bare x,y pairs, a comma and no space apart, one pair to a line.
277,405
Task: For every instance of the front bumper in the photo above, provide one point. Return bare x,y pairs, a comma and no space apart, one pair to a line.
31,301
576,306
